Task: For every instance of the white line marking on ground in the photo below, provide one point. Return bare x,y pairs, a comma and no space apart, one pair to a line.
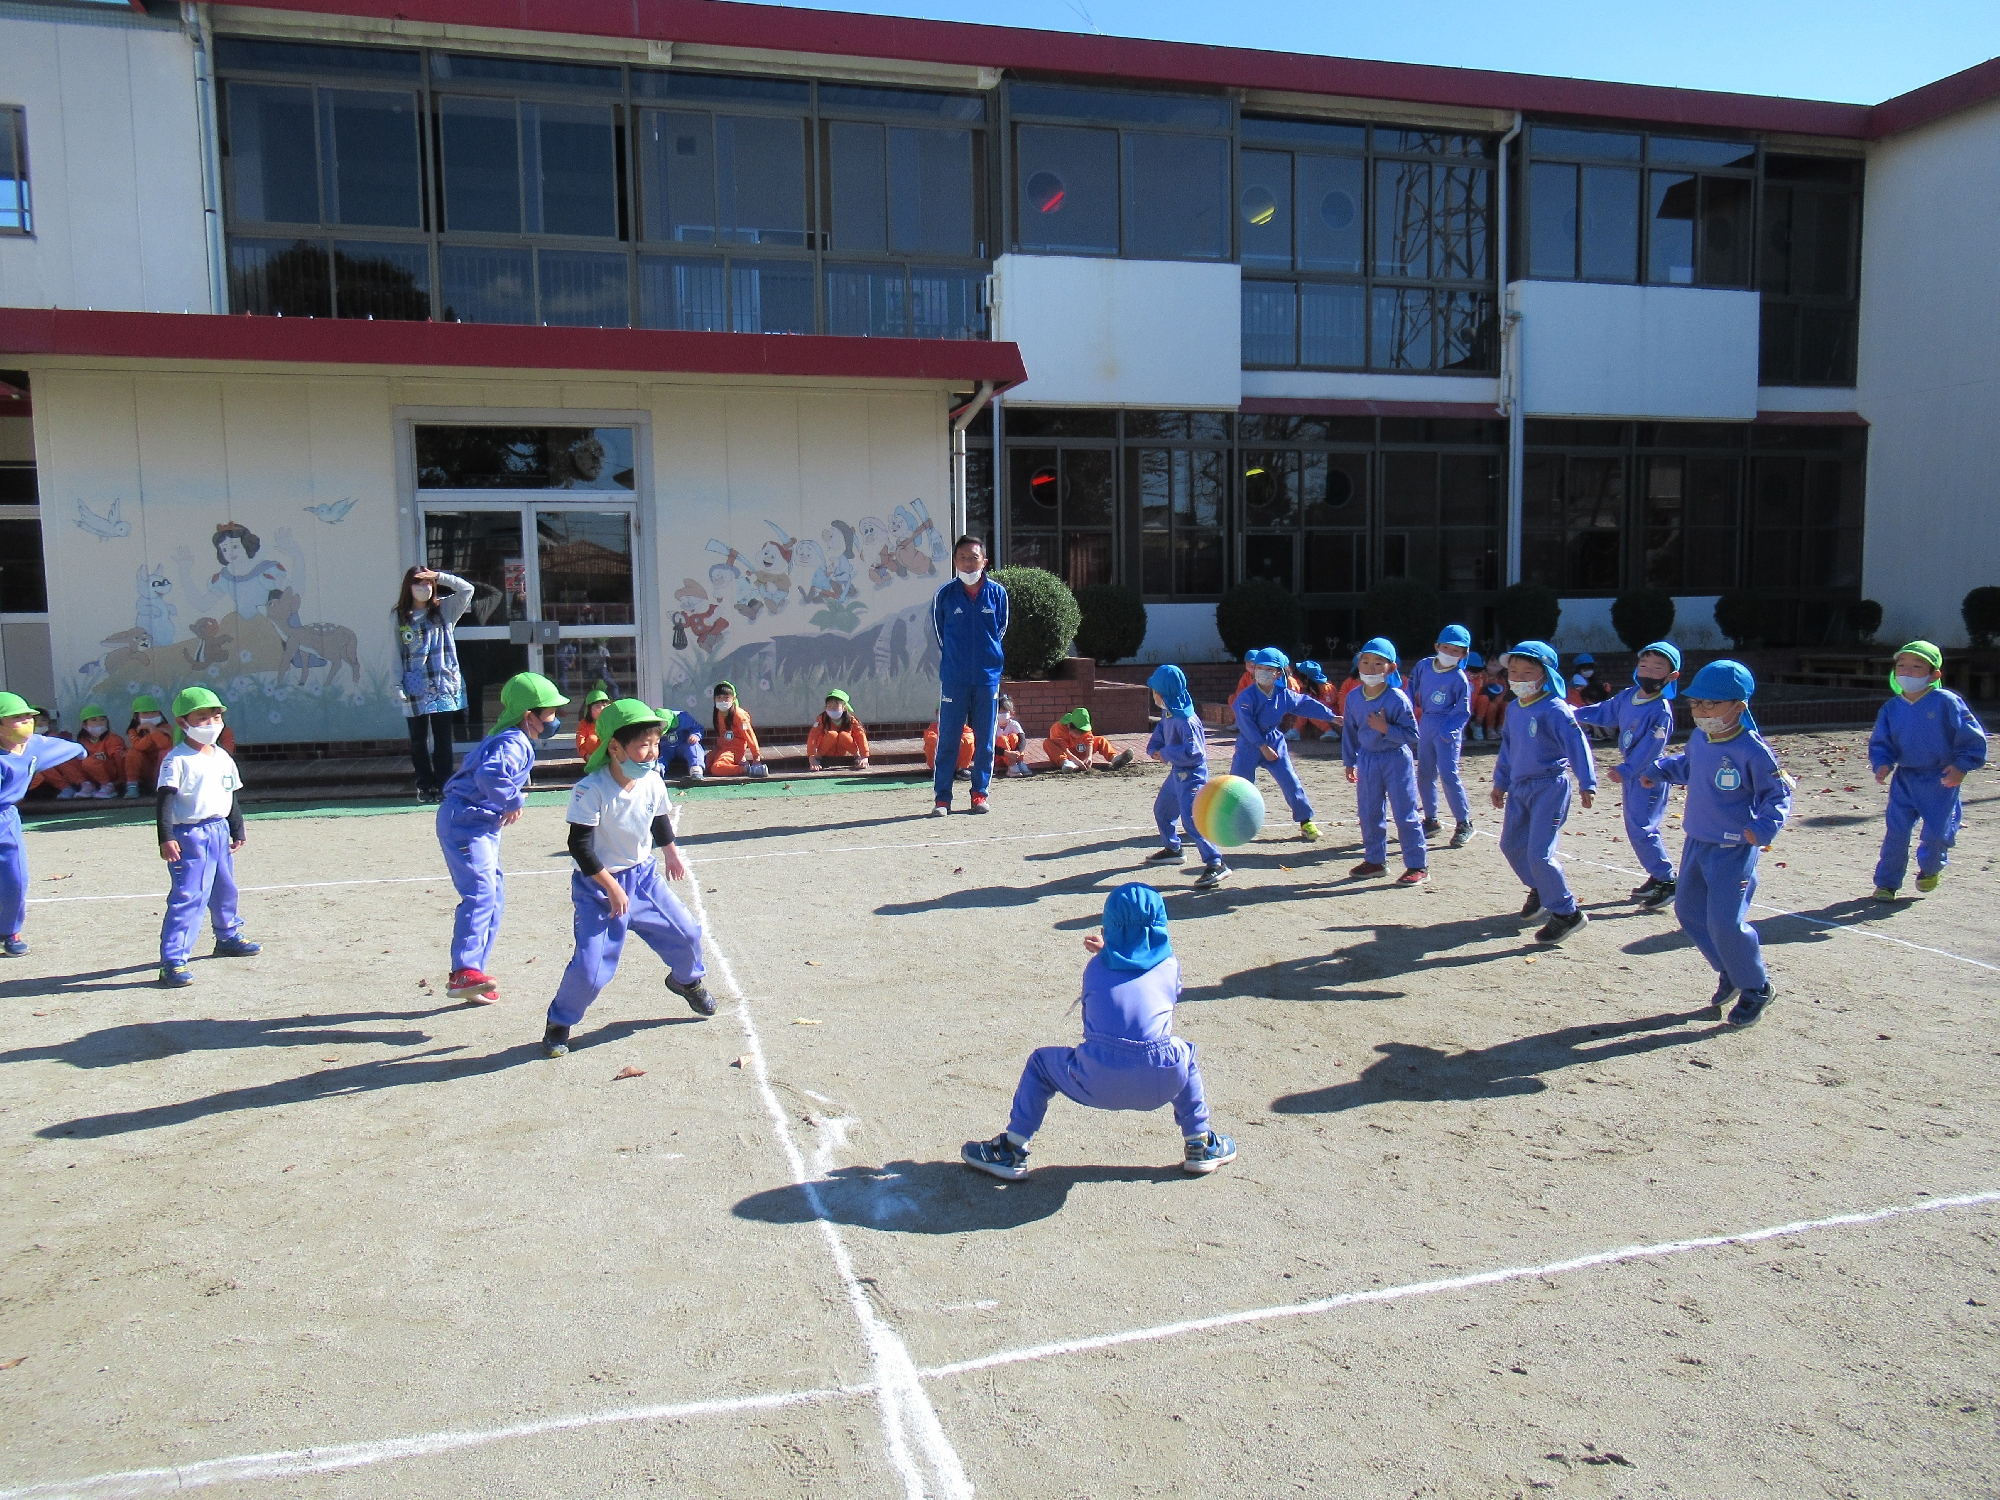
1450,1284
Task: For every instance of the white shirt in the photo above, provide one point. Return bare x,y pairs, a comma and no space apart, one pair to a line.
622,816
204,782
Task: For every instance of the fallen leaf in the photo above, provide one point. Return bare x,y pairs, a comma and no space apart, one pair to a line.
40,1012
1531,960
742,1062
628,1071
8,1364
329,1059
529,959
286,1170
803,1021
1286,868
53,877
1883,1036
812,963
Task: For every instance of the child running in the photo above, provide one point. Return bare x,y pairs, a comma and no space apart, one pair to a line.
1378,729
1442,693
1260,711
483,797
1130,1058
1181,743
200,829
1927,739
23,756
1540,749
1737,802
618,814
837,734
1643,716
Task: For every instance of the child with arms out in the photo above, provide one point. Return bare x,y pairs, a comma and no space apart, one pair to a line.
1261,710
1541,748
1442,694
1927,740
1181,744
200,829
1643,717
24,755
1378,731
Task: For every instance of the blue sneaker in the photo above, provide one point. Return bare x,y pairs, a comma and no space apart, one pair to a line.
237,946
1724,993
15,946
1750,1005
998,1157
1207,1152
1163,855
174,976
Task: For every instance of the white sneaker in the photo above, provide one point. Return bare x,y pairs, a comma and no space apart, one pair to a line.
1019,768
105,791
66,794
1070,765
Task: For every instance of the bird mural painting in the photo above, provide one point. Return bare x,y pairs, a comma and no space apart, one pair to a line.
105,527
333,512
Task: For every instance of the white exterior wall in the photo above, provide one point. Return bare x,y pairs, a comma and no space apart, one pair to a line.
1929,384
114,166
1663,352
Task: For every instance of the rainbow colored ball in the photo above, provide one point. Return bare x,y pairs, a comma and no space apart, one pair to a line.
1229,811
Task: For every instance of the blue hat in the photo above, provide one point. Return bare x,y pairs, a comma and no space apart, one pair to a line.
1313,672
1584,656
1269,656
1474,659
1455,635
1135,928
1172,686
1725,681
1383,647
1673,654
1544,653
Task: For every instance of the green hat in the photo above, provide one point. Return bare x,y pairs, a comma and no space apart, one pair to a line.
622,714
730,687
1924,649
596,695
92,711
1078,719
13,706
145,703
526,690
187,700
845,701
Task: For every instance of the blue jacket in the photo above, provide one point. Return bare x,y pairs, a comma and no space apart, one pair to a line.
40,753
1539,740
1935,732
1119,1006
968,630
1357,738
1259,714
1445,697
1182,743
1731,786
1643,729
494,775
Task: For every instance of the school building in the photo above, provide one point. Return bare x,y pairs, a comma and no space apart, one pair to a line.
691,331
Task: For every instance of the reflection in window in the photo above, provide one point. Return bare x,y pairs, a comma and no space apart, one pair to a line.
273,157
585,562
1670,238
1068,190
583,289
1176,190
683,294
387,280
1810,218
279,277
368,146
15,212
771,296
511,167
473,457
760,180
487,284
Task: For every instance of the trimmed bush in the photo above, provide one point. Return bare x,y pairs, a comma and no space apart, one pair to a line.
1739,614
1981,613
1114,621
1257,612
1527,612
1864,619
1642,616
1041,620
1406,610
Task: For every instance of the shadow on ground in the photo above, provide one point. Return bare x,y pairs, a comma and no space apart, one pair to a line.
143,1041
936,1197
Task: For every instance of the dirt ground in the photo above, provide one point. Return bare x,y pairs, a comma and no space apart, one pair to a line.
309,1229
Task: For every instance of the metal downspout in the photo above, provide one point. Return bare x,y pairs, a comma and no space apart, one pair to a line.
195,19
960,420
1510,374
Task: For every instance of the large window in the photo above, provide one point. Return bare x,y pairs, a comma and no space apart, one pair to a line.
1062,493
1365,247
16,216
1809,271
1177,473
23,577
405,184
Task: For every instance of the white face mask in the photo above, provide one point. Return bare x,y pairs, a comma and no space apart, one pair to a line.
96,727
1911,684
1374,679
149,721
1525,689
203,734
723,705
1266,677
420,593
969,579
1711,725
1447,663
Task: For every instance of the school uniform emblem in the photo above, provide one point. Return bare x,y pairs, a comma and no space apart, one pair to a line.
1625,740
1727,777
1534,727
1438,697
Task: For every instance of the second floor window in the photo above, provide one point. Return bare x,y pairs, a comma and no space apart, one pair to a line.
15,217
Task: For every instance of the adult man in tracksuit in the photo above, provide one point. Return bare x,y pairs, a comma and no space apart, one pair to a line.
968,618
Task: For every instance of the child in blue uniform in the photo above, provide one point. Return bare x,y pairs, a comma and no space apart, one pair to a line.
680,745
1378,732
619,813
23,755
1130,1057
1927,739
1181,743
484,797
1737,801
1260,711
1540,749
1643,715
1441,692
200,829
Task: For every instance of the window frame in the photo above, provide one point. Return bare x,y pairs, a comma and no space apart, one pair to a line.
14,123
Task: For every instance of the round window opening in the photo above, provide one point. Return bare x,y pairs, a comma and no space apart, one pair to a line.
1337,208
1260,206
1045,192
1042,487
1339,488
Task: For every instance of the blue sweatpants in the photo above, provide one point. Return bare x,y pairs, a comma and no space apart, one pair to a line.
471,844
203,877
964,703
13,874
1249,759
1175,803
1388,788
1645,812
1712,901
655,914
1437,760
1914,796
1105,1073
1536,812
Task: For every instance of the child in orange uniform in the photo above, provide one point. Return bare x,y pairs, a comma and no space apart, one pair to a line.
586,721
967,747
65,780
837,734
1314,685
103,760
147,738
1010,740
736,751
1071,746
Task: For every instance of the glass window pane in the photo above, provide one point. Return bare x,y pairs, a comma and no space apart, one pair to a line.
14,206
1471,490
1432,142
1402,329
761,180
1060,421
585,558
1156,563
1725,231
771,296
1780,486
1403,219
1197,562
1086,487
860,99
858,186
1459,241
1711,492
1469,560
1176,197
1777,343
1153,481
932,192
1670,255
491,457
1595,498
1067,190
579,663
1199,503
1552,221
1271,490
487,285
23,581
1270,323
1032,489
1319,133
1774,267
1264,208
1595,559
371,169
979,494
1599,145
584,289
1106,104
1335,562
681,293
947,304
1409,489
1026,550
1692,153
497,69
1086,558
1542,558
1467,332
1822,242
1710,560
1826,345
866,301
482,165
273,161
1330,219
1271,555
1610,224
677,176
720,88
1334,488
279,277
255,56
381,281
572,169
1333,322
484,548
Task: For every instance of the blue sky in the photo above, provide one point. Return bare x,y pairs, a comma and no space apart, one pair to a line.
1859,51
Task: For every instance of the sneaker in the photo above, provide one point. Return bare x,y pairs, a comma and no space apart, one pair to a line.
15,946
1309,831
998,1157
1019,768
173,976
1884,893
699,1000
105,791
1292,735
1660,895
1461,836
67,794
1172,853
555,1041
1413,877
1431,826
236,946
961,774
1367,868
1724,993
1211,876
1070,765
1207,1152
1750,1005
1929,883
1532,905
756,770
1653,883
1122,759
978,803
1559,927
472,984
940,809
131,789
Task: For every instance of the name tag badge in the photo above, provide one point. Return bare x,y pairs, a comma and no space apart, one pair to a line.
1534,727
1727,777
1437,697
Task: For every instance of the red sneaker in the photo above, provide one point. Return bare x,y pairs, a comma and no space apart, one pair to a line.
979,803
1413,877
471,984
1363,871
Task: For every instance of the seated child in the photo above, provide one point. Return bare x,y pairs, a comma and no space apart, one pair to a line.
1130,1058
1181,743
1737,801
103,763
147,739
1540,750
1071,746
837,734
1378,737
586,721
24,754
1586,686
59,779
736,751
1489,698
1010,740
1261,710
200,824
966,748
1927,739
618,814
1643,718
680,745
1313,682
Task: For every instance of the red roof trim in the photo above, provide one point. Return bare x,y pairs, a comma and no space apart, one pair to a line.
836,34
347,341
1976,85
1811,419
1289,406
